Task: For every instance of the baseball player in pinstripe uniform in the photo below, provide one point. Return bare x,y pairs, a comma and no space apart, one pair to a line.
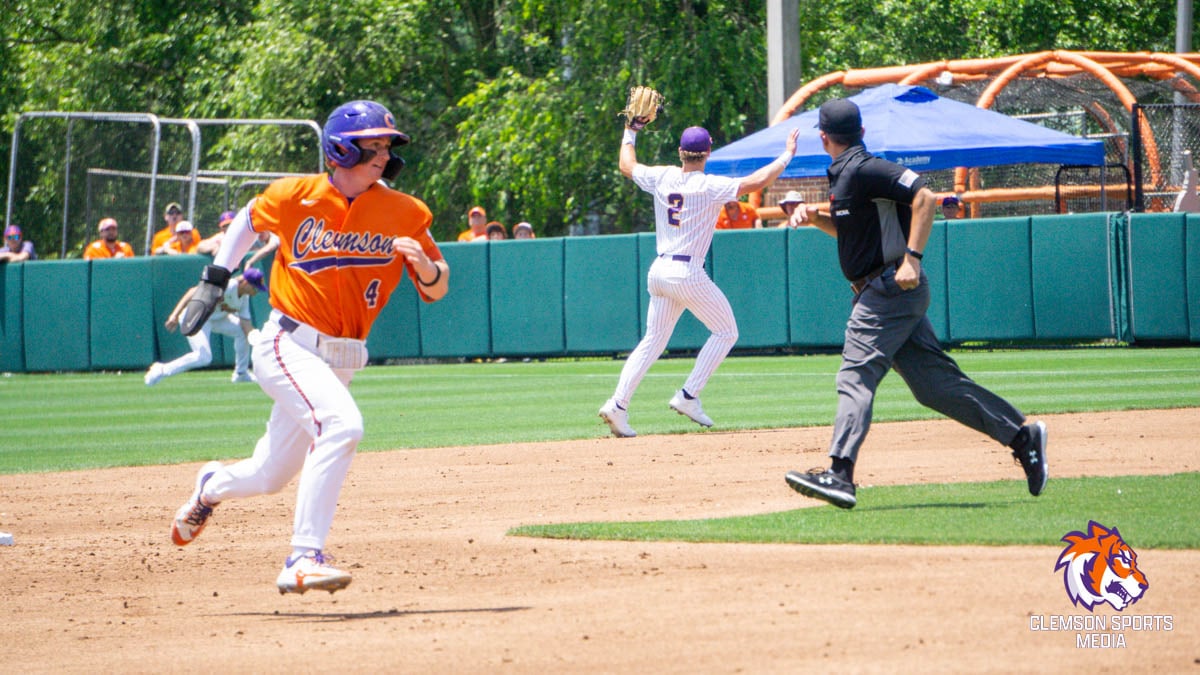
686,204
348,239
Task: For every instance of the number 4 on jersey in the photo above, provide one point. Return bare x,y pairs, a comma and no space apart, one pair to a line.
371,294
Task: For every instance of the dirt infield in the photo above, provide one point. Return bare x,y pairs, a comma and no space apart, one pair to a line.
94,584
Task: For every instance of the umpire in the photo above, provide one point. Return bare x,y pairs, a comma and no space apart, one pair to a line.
881,214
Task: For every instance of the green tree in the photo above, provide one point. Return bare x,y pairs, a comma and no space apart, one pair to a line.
510,104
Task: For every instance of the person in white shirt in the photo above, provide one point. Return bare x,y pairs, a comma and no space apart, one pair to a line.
686,204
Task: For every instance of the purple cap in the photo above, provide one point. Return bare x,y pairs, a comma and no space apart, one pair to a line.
11,230
695,139
255,277
227,217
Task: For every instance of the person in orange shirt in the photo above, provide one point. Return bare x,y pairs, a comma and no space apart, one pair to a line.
477,219
183,241
347,241
107,246
737,215
173,214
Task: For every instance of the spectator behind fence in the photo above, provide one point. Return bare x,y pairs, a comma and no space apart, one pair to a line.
496,231
737,215
108,245
523,230
173,215
788,204
950,208
210,245
181,242
16,248
476,225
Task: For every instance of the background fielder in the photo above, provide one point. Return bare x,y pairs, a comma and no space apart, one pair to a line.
347,240
686,204
231,317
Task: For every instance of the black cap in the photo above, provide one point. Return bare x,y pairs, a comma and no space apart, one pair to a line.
840,116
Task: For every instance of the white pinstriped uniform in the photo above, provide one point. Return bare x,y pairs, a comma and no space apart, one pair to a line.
686,206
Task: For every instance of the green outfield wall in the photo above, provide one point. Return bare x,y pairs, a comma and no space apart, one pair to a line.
1132,278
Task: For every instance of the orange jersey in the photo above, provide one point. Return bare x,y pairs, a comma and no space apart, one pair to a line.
176,245
335,268
743,220
164,234
469,235
98,250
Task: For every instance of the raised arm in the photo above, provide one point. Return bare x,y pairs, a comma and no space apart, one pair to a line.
628,157
767,174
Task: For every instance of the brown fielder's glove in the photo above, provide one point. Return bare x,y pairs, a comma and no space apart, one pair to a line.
643,106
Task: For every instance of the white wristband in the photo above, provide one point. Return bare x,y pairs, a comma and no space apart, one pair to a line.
630,137
784,158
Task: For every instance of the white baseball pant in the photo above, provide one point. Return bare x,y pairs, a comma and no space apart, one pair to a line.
201,354
314,429
674,286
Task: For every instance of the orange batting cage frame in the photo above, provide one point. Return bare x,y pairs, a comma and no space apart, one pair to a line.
1107,67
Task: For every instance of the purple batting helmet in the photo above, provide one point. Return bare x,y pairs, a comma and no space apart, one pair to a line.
354,120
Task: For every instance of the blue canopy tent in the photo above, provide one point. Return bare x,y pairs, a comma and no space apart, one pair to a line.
917,128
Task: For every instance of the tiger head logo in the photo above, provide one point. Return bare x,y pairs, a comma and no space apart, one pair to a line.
1100,567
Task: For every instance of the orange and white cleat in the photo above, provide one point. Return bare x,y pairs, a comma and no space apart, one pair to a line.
191,518
311,572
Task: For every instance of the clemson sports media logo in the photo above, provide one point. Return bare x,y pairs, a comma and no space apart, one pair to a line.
1099,567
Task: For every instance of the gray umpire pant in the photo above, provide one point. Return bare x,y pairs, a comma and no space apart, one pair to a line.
888,328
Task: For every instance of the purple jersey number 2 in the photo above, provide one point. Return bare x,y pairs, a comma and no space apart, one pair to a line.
674,206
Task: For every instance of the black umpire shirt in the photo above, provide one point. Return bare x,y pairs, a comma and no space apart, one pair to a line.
870,200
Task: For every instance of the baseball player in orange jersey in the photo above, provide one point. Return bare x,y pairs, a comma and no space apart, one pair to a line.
347,239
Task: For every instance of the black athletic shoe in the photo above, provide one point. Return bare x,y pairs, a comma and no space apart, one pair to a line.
1033,458
823,484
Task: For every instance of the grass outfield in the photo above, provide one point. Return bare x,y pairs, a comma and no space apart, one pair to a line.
999,513
88,420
